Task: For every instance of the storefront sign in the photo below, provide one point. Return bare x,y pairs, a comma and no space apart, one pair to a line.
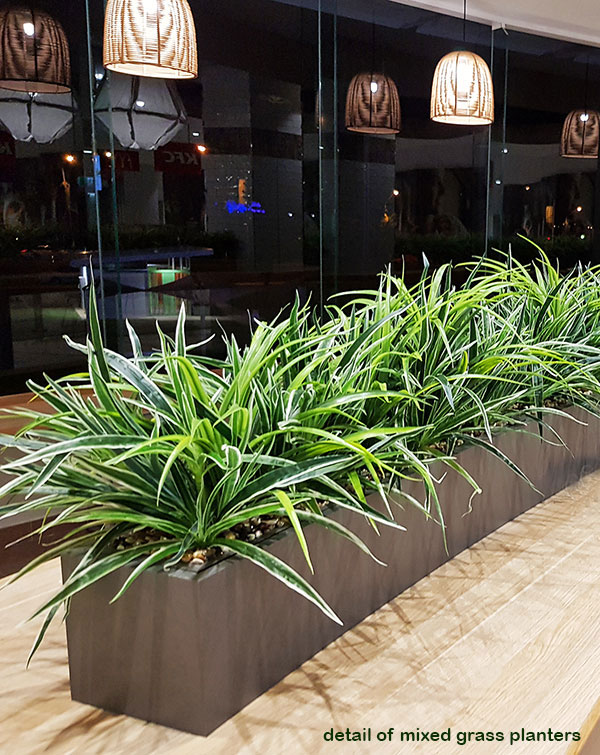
8,160
126,161
237,207
178,158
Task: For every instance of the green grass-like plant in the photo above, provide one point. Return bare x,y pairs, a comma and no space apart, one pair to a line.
385,389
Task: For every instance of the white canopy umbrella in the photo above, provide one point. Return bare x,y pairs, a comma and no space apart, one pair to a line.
36,117
146,113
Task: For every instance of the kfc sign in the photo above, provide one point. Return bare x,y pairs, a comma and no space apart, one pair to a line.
178,158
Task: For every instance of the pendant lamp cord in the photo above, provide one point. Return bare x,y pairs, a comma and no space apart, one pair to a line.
464,21
372,38
372,62
585,94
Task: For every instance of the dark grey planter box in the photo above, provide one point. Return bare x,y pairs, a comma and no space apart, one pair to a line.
190,650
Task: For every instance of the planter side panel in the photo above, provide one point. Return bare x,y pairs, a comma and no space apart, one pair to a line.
190,651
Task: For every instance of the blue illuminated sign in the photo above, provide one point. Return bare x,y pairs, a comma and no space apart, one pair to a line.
97,172
240,209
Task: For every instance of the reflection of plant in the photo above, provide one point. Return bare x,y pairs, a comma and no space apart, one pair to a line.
57,237
391,384
224,243
440,250
30,237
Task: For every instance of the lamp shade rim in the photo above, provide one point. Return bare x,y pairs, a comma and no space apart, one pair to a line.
35,87
579,157
463,120
150,70
373,130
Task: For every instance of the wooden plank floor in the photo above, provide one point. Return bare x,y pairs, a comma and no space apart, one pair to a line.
505,636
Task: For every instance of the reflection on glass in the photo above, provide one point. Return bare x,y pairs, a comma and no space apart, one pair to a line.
548,115
229,193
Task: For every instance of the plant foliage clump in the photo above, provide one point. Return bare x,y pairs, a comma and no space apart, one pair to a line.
385,389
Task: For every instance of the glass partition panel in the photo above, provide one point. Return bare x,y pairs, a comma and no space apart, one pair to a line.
544,147
46,224
216,179
229,193
422,190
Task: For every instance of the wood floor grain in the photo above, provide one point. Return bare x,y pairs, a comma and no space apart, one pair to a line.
504,637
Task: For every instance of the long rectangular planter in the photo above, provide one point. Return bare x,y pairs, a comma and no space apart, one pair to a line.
190,650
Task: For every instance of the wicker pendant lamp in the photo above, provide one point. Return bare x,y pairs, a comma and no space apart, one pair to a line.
372,102
373,105
154,38
581,129
462,92
581,134
34,53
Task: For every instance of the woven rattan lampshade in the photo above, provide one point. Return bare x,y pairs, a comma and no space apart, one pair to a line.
462,92
155,38
373,105
34,54
581,134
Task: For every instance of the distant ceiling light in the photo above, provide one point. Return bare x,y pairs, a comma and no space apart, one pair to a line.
527,188
505,150
155,38
395,192
579,208
580,136
108,154
195,133
201,147
98,75
498,181
34,53
140,103
373,105
70,158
